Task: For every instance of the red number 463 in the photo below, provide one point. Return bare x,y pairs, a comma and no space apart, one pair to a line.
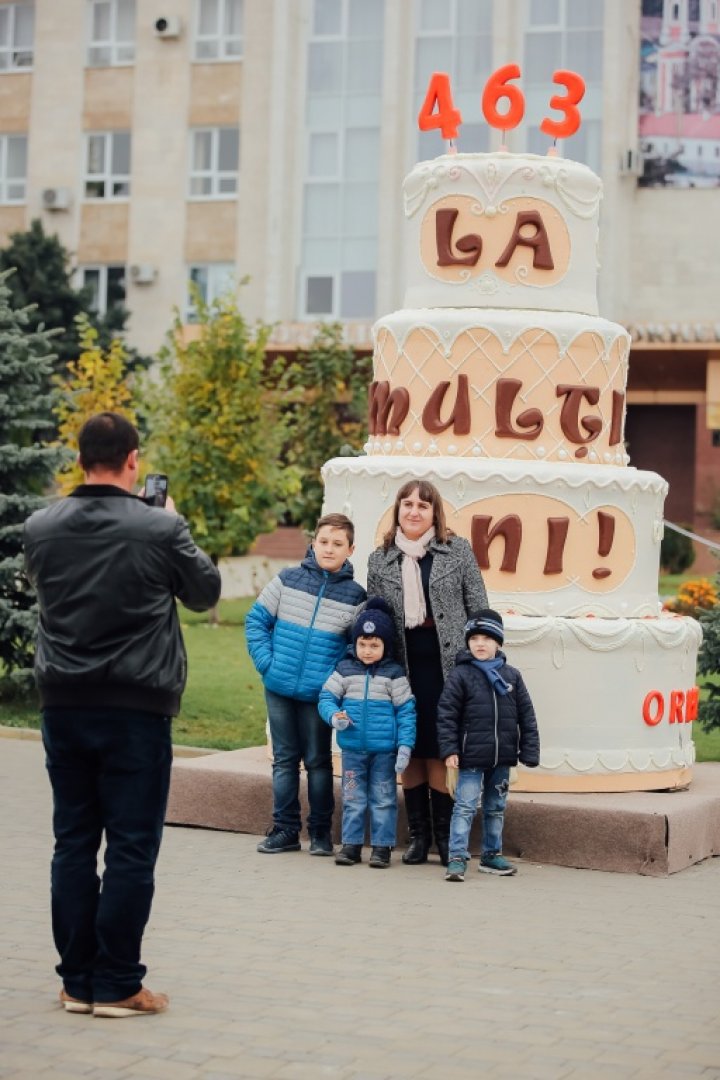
438,109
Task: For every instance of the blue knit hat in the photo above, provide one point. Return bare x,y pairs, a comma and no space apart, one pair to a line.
375,621
485,622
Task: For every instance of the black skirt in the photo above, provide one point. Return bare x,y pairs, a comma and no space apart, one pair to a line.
426,682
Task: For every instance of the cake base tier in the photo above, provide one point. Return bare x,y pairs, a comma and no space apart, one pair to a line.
536,528
615,700
537,781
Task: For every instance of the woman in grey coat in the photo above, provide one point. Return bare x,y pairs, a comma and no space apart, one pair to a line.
432,582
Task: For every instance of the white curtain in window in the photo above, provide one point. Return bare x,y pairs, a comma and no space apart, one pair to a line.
362,153
323,154
322,209
327,18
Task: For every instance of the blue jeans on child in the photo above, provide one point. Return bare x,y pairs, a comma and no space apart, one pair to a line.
369,786
298,734
489,788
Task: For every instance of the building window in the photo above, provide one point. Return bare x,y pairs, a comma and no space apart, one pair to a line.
17,24
13,168
211,281
454,36
107,165
105,286
214,163
219,29
111,34
564,34
342,162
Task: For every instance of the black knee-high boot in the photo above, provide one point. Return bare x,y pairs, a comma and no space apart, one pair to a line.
442,808
417,808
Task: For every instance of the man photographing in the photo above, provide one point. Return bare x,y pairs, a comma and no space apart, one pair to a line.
110,666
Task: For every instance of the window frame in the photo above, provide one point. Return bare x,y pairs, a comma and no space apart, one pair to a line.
214,173
348,120
103,270
5,180
11,48
220,36
215,271
112,44
107,177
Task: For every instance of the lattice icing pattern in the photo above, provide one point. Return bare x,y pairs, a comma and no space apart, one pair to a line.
499,384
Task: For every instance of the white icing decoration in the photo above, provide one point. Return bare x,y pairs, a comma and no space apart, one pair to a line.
452,449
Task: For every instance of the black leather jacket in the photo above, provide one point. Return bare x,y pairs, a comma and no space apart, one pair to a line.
107,569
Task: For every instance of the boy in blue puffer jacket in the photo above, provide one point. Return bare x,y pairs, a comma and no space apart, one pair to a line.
368,701
296,631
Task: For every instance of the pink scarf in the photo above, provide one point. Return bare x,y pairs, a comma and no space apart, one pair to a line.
413,593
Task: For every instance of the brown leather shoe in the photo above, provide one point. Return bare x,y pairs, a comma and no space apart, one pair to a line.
71,1004
144,1003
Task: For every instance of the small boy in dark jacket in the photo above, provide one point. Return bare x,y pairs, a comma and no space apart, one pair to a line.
486,722
369,702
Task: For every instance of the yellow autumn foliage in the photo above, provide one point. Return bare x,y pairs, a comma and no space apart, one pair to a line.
96,382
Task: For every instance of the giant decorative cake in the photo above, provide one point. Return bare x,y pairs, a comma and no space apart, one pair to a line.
499,383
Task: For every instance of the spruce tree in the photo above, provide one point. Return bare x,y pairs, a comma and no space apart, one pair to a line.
43,278
27,464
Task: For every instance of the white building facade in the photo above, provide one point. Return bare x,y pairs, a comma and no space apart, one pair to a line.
169,141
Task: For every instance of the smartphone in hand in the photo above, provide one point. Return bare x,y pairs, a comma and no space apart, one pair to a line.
156,489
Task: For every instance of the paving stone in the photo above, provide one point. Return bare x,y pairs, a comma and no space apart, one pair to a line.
287,968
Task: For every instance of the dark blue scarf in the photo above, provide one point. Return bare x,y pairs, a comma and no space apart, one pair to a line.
491,671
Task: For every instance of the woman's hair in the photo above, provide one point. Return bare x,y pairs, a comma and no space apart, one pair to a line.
428,493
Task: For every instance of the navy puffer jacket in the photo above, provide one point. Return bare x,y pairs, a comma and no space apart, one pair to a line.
482,727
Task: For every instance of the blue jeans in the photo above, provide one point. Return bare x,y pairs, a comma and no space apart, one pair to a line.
369,787
298,734
110,773
488,787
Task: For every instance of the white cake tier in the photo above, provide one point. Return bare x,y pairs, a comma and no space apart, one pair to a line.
502,230
560,539
614,699
495,383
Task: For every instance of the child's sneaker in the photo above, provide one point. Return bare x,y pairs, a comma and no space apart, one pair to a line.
321,844
455,870
380,858
349,854
279,839
493,863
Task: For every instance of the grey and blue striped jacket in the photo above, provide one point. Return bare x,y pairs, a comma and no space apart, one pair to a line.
299,627
378,700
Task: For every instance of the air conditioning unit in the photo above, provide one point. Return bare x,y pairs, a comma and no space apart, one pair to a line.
168,27
56,198
142,273
631,162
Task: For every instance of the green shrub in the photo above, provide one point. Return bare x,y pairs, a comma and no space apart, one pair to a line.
677,553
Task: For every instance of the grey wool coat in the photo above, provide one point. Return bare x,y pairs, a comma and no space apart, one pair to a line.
456,591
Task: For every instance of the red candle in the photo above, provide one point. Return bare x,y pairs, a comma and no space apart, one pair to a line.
447,118
496,88
567,104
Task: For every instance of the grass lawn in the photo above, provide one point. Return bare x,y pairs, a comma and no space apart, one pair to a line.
223,707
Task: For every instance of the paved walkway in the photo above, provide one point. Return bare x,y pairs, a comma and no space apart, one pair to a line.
290,967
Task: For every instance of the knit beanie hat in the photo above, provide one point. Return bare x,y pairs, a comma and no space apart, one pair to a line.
375,621
485,622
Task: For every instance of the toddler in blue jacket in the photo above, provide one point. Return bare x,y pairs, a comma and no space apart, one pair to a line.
368,701
297,630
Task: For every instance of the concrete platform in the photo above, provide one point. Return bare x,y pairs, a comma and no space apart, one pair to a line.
653,833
